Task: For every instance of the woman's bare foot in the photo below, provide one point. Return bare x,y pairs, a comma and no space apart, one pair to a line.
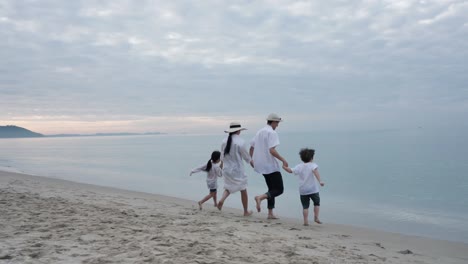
220,205
200,205
248,213
316,220
258,202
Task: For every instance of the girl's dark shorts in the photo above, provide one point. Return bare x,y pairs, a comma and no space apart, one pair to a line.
212,190
305,200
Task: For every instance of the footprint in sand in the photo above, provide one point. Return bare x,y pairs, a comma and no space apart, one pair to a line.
16,182
6,257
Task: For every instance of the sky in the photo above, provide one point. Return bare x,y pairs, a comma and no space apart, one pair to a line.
90,66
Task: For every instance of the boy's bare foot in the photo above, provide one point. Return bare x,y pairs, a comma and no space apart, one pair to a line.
306,224
199,205
272,217
220,205
249,213
258,202
316,220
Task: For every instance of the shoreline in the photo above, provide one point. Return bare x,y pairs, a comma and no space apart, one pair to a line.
60,221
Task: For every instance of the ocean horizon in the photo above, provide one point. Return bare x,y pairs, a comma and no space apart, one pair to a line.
403,181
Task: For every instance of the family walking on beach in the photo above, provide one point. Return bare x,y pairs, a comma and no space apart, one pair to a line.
263,157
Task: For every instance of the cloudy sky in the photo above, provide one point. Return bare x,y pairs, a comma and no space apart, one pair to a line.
89,66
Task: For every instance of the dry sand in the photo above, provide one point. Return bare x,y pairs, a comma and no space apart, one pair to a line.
44,220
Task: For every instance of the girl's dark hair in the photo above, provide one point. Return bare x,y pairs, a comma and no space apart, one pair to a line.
216,155
229,143
307,154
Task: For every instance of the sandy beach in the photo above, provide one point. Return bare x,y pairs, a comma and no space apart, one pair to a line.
45,220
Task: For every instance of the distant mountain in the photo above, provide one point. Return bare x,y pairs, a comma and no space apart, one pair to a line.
17,132
105,134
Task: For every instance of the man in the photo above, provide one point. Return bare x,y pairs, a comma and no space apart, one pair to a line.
264,154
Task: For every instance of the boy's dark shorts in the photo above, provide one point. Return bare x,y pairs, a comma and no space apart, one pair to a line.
212,190
305,200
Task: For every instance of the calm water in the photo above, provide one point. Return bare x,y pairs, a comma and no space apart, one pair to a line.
410,182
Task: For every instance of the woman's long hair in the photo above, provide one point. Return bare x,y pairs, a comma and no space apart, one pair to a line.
229,143
216,155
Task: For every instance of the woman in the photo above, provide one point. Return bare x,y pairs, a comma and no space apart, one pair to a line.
233,153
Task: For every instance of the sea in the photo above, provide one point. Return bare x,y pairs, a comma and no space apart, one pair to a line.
411,181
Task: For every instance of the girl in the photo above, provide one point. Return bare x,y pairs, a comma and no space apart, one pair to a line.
213,169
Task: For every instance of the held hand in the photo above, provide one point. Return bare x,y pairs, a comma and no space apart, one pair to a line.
285,164
287,169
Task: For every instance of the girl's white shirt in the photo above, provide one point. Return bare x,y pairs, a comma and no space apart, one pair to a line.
235,178
212,175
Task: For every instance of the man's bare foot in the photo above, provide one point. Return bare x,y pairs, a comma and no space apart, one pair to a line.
258,202
272,217
316,220
248,213
200,205
220,205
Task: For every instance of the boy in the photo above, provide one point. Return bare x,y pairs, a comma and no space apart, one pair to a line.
308,184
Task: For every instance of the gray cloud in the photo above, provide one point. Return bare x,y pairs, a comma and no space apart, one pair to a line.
237,58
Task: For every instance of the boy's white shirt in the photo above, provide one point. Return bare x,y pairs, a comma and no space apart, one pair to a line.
308,183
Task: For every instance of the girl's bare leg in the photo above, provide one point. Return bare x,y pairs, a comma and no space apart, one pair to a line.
206,198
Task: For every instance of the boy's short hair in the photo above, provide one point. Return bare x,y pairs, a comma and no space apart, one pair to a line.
307,154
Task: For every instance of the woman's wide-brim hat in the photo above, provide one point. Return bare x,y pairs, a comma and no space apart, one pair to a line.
234,127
